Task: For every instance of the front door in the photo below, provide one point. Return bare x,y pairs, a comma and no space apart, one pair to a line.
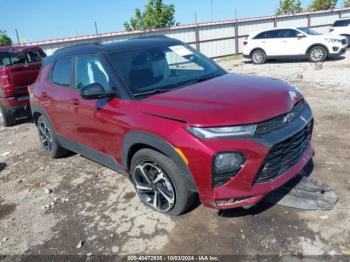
97,121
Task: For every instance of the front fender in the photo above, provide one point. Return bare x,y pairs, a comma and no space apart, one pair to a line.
139,138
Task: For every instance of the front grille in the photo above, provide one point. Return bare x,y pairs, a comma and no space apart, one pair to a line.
268,126
284,155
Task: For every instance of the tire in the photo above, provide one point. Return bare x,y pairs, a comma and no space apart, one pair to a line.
162,179
317,54
48,139
347,39
258,57
7,118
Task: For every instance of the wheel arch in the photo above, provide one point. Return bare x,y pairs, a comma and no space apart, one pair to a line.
137,140
314,45
255,49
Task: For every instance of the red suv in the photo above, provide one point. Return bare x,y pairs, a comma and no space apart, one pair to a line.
177,124
19,67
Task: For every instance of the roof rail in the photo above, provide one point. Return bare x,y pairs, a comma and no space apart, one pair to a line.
77,45
149,37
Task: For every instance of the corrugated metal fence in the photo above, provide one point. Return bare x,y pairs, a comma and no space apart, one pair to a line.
215,39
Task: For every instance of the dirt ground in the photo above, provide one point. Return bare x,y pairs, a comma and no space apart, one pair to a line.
92,210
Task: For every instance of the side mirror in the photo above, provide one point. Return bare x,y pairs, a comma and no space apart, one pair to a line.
300,35
95,91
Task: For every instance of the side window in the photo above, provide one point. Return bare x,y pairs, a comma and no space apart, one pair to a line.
62,72
341,23
89,70
19,59
271,34
33,56
286,33
261,36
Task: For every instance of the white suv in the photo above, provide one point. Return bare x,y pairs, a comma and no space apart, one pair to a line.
341,27
292,42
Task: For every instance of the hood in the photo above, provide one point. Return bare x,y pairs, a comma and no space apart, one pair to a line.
323,37
231,99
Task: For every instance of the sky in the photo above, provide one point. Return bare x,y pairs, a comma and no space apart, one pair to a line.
48,19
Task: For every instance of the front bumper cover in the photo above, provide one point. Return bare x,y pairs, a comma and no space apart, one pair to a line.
240,190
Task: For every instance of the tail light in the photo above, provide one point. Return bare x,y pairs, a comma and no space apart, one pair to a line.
331,29
245,42
5,82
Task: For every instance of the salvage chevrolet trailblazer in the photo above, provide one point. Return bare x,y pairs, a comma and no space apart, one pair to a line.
161,113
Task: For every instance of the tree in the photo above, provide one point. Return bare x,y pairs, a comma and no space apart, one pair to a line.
347,3
4,38
289,7
323,5
156,15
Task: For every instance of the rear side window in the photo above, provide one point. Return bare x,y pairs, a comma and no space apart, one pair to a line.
62,72
341,23
33,56
267,34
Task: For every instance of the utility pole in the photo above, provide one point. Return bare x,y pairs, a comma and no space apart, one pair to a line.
96,31
17,37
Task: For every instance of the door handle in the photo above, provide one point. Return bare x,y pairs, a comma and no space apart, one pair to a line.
44,95
285,41
75,101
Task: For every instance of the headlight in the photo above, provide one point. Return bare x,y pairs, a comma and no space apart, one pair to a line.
332,40
222,132
226,165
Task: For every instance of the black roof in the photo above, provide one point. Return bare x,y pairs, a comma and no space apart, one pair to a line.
121,46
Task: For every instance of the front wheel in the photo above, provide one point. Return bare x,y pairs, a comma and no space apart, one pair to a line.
160,183
347,40
258,57
317,54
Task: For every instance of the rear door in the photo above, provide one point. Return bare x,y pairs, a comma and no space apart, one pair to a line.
61,99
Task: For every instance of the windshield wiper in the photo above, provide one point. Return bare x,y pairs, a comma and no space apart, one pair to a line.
152,92
202,79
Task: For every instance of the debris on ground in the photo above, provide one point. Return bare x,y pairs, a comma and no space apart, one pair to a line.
80,244
48,190
304,193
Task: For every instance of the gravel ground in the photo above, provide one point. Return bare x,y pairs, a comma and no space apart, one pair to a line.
73,206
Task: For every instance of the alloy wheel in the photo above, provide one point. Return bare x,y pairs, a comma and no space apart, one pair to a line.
317,55
154,187
45,136
258,57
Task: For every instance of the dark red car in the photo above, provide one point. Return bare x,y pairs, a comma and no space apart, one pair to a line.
19,67
177,124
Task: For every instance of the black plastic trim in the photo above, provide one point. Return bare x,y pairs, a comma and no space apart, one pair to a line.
231,174
91,154
134,138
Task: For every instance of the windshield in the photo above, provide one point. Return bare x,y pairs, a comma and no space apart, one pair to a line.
148,70
309,31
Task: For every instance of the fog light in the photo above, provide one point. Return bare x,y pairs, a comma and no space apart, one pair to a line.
228,162
226,165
